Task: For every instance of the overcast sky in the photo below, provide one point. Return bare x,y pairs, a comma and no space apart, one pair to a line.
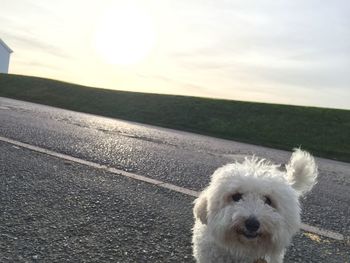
291,52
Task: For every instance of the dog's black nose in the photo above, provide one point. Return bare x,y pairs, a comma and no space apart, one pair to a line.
252,224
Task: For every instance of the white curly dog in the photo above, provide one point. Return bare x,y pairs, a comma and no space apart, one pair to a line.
250,211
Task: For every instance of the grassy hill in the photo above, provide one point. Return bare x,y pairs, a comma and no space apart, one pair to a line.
324,132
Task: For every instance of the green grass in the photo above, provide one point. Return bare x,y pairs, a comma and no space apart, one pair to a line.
324,132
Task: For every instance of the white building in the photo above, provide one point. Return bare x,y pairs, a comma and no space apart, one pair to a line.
5,52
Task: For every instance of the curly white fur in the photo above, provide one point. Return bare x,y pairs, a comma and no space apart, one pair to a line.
254,190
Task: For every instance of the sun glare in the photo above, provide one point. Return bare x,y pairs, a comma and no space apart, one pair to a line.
124,35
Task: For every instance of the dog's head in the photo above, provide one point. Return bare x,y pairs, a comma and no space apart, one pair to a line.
254,205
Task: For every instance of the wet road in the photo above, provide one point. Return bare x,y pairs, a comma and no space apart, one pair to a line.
180,158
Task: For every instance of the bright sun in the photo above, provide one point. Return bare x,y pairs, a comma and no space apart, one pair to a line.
125,35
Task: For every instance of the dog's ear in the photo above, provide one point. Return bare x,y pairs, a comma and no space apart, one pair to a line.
200,207
302,171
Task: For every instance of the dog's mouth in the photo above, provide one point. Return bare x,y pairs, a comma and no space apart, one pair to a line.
249,234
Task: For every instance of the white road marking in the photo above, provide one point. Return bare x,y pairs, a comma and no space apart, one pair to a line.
322,232
305,227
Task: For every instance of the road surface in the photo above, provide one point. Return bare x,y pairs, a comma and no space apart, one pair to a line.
56,210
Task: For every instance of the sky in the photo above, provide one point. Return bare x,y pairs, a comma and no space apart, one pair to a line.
275,51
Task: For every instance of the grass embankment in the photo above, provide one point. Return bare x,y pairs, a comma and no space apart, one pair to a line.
324,132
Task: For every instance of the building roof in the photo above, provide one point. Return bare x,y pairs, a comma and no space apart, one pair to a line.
2,43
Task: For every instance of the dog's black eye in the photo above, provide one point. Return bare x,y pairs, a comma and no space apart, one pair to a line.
237,197
268,200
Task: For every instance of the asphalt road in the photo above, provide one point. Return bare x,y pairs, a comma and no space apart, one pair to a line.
57,211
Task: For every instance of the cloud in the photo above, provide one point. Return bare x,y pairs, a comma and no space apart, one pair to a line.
273,50
271,46
39,64
23,40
